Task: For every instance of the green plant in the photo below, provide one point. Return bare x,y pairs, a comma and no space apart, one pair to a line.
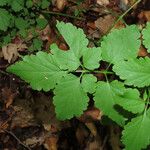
22,18
70,74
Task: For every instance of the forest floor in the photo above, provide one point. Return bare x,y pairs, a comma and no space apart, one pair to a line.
27,117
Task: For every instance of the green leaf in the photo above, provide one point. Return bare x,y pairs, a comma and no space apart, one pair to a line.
4,2
105,99
21,24
70,99
75,38
45,4
29,3
65,59
37,44
5,19
23,33
40,70
17,5
146,36
91,58
131,101
6,39
136,134
135,71
41,23
121,44
148,112
89,83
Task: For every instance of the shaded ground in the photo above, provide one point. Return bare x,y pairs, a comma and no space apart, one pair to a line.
27,118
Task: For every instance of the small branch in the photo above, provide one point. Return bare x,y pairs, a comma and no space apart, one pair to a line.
3,72
18,140
121,17
94,71
61,14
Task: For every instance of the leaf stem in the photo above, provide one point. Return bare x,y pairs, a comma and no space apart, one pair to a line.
61,14
147,100
120,17
95,71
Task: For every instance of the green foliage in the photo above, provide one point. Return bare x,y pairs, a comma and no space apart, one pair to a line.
41,71
75,98
135,72
89,83
121,44
91,58
105,96
131,101
146,37
5,18
71,74
136,134
19,17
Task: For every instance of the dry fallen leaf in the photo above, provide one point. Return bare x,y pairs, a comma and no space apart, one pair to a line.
51,143
10,51
24,116
8,96
90,115
60,4
104,23
103,2
142,52
144,15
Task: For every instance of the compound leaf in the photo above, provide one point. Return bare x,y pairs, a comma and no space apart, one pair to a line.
70,99
4,2
89,83
136,134
17,5
21,23
75,38
105,97
91,58
40,70
121,44
5,19
135,71
65,59
131,101
146,37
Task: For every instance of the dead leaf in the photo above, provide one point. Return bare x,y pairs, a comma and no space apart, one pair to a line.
124,4
51,143
60,4
10,51
90,115
8,96
142,52
103,2
115,137
144,15
35,140
104,23
63,46
24,116
119,25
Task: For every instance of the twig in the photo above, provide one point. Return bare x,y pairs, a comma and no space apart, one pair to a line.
3,72
18,140
61,14
121,17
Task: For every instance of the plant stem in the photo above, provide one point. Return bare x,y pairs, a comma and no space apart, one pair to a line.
147,100
121,17
95,71
61,14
